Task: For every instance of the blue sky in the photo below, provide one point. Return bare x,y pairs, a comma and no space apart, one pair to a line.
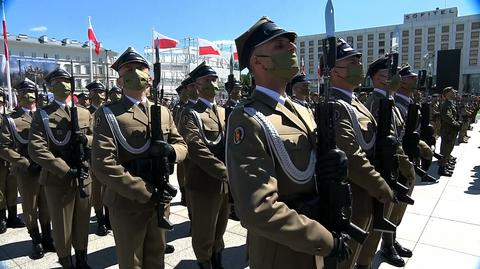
119,24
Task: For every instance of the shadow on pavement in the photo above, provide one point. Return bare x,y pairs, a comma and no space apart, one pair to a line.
103,258
180,230
17,249
233,258
474,189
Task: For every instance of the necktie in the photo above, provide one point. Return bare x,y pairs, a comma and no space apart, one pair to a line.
289,106
214,109
142,107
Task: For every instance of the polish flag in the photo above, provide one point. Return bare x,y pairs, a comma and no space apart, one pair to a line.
92,37
163,42
235,56
206,47
5,42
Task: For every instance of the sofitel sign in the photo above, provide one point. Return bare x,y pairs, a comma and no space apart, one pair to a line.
434,14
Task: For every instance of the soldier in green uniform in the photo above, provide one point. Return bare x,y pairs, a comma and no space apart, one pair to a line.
49,146
387,86
97,95
114,94
122,155
271,159
203,128
355,131
14,149
301,92
435,114
8,184
450,125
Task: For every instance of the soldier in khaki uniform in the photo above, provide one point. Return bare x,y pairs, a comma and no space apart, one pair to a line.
267,194
403,99
14,149
435,114
301,92
97,95
114,94
203,128
355,131
49,146
122,155
450,125
391,249
466,113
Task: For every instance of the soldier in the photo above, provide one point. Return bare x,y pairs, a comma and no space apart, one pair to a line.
14,149
450,125
114,94
270,181
97,95
403,99
8,185
206,176
301,92
355,135
122,159
49,146
84,100
435,114
391,250
465,112
234,95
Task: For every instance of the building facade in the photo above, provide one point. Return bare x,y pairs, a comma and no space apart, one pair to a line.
422,35
36,57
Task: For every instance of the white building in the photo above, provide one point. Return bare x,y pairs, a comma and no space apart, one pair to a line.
44,54
422,35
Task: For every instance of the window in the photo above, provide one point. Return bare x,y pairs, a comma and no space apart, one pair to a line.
405,33
359,45
381,51
444,38
381,43
458,45
78,83
473,53
404,49
417,65
405,41
370,37
431,39
459,27
350,40
369,60
431,47
310,50
418,40
444,46
302,51
404,58
310,56
474,35
445,29
418,32
475,25
370,44
370,51
45,55
472,61
77,69
417,57
381,36
319,56
359,38
459,36
431,30
418,48
100,68
302,44
319,42
310,43
474,44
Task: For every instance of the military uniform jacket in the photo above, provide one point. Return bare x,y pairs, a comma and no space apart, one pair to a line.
92,109
49,139
449,118
14,139
397,123
306,105
357,140
204,134
110,154
278,236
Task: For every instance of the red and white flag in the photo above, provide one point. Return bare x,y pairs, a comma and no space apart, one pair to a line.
163,42
92,37
5,42
235,56
206,47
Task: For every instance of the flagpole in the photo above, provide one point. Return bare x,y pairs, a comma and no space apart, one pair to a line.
91,53
153,45
198,51
7,58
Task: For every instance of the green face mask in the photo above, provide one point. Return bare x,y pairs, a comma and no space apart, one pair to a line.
285,66
61,89
97,97
395,81
210,88
26,98
136,80
354,74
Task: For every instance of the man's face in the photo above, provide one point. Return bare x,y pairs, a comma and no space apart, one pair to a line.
381,80
207,86
263,55
127,68
235,94
192,91
342,67
26,97
409,83
301,89
60,88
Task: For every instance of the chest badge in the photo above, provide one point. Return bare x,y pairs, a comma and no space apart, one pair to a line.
238,135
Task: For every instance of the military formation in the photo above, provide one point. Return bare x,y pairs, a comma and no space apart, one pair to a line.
261,158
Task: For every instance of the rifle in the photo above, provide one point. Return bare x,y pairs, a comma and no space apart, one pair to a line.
335,195
78,150
160,168
229,87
